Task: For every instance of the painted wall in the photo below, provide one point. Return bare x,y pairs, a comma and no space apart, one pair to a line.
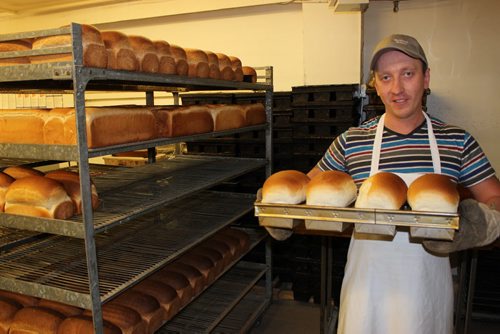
461,40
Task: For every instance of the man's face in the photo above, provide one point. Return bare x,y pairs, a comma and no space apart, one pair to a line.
400,82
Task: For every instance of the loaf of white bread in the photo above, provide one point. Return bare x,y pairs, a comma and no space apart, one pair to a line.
167,61
180,58
94,51
121,55
434,193
18,172
5,181
225,67
183,121
331,188
15,45
197,63
146,53
383,190
286,187
38,196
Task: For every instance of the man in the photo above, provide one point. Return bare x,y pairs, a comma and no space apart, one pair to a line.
398,286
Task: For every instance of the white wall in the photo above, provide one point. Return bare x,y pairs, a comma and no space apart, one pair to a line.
462,42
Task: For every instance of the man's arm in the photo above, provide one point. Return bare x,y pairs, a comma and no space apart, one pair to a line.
313,172
488,192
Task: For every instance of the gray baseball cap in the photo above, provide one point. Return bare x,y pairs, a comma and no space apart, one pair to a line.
403,43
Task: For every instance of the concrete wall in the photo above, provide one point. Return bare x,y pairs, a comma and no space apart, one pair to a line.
462,43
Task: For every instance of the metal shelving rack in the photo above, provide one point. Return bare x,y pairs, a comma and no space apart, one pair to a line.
84,233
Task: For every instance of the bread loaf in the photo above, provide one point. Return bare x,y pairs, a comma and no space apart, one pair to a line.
287,187
382,191
147,306
94,51
177,281
435,193
242,237
24,300
105,126
213,65
121,56
167,61
232,242
226,116
5,181
38,196
213,255
197,63
225,67
71,183
36,320
183,121
146,53
83,324
253,113
19,172
331,188
201,263
180,58
22,126
128,320
194,276
64,309
249,74
165,295
237,68
8,308
15,45
221,248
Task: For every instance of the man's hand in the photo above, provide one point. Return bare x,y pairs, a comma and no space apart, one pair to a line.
479,226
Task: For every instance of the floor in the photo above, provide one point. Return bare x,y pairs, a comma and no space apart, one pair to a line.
286,316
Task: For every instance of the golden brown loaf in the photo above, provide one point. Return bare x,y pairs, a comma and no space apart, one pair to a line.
128,320
382,191
194,276
213,255
240,235
287,187
180,57
331,188
22,126
121,56
94,51
36,320
5,182
146,53
183,121
435,193
232,242
64,309
18,172
253,113
249,74
237,68
8,308
83,324
227,116
71,183
24,300
38,196
225,67
200,262
105,126
177,281
147,306
15,45
165,295
213,65
221,247
167,61
197,63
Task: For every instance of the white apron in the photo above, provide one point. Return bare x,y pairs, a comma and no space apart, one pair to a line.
395,286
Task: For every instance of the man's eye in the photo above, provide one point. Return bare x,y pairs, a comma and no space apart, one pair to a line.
408,73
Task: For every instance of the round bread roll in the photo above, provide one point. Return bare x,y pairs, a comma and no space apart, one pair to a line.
163,293
180,57
435,193
121,56
71,183
83,324
167,61
38,196
382,191
286,187
331,188
18,172
5,182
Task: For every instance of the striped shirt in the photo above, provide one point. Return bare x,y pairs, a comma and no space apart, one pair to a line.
461,156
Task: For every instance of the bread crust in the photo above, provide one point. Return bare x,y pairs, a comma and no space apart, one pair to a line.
182,121
180,58
286,187
435,193
146,53
383,190
227,116
121,56
331,188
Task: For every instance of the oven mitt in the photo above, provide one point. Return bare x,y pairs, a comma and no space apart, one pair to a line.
479,226
277,233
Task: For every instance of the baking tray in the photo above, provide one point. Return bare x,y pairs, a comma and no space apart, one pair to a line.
422,224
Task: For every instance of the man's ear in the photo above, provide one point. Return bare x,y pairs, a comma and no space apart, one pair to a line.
427,78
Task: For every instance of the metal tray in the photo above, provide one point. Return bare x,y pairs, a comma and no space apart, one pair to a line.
422,224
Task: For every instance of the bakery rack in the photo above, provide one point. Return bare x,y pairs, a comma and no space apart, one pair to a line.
76,263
